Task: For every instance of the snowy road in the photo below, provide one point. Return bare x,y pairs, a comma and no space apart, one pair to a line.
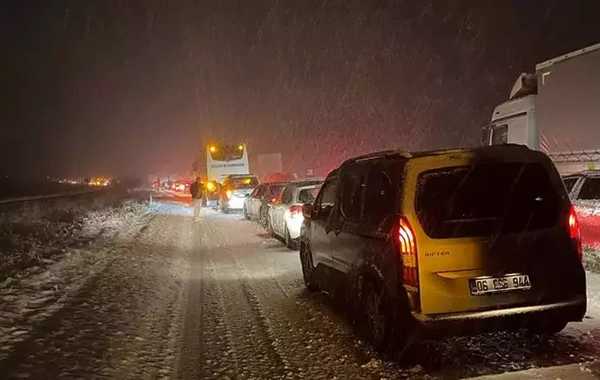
220,299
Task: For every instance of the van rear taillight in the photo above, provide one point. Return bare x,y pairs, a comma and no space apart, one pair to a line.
407,245
574,231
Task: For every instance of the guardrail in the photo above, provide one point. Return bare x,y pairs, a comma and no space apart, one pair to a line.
576,156
50,196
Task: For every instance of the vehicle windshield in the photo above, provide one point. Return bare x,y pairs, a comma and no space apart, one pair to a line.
226,152
499,134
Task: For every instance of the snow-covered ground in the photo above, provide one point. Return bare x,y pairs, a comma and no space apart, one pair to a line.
52,257
163,297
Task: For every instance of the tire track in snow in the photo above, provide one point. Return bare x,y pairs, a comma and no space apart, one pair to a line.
206,351
315,343
252,346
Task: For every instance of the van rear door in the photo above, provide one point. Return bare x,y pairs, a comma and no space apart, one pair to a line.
491,234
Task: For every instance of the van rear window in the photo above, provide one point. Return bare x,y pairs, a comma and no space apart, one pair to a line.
484,199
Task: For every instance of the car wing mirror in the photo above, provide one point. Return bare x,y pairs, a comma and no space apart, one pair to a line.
307,210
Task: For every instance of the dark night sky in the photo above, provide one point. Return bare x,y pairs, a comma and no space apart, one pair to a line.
123,86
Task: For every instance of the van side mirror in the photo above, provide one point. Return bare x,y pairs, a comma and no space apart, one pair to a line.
307,210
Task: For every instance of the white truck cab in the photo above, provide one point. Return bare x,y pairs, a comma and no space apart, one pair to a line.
514,122
556,110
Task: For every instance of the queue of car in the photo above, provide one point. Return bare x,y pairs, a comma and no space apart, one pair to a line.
285,214
277,206
453,241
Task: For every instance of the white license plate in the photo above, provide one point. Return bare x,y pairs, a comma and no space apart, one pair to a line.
480,286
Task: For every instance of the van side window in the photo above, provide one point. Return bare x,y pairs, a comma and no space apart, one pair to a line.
326,199
351,197
379,198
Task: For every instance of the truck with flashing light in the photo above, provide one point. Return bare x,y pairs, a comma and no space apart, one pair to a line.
555,110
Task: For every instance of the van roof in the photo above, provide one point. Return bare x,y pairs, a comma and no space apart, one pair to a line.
509,149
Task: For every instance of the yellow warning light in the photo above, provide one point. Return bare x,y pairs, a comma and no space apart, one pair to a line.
212,148
240,147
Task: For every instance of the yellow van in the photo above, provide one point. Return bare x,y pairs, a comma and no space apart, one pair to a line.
452,241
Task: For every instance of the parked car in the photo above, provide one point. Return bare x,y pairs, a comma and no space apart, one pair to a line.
584,186
256,206
285,215
584,191
236,188
454,241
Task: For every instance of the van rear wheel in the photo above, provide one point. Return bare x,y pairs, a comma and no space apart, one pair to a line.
375,315
386,324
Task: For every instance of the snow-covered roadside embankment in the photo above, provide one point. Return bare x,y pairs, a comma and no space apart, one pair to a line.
48,253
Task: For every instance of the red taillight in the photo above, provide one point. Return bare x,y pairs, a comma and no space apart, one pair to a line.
574,231
407,245
295,211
